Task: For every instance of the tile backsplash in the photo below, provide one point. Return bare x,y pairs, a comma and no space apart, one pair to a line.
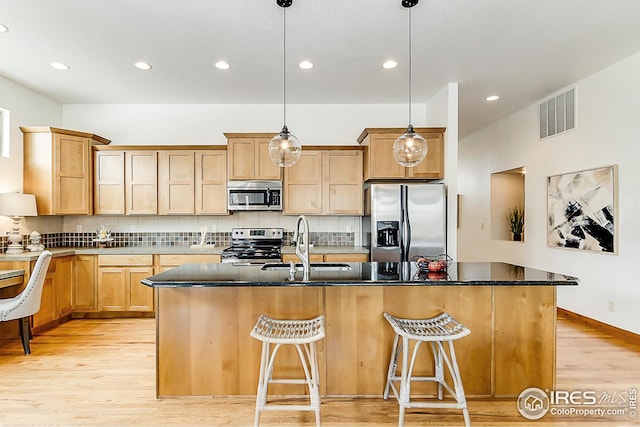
79,231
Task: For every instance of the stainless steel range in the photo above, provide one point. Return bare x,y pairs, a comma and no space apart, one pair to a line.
254,245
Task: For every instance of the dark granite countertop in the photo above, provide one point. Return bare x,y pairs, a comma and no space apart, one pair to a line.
360,274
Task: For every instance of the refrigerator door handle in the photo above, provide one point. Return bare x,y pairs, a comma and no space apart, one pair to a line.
405,228
407,221
403,240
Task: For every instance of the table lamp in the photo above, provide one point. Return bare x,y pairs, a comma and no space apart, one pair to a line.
17,205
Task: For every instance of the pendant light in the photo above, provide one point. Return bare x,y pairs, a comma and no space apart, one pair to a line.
284,148
410,149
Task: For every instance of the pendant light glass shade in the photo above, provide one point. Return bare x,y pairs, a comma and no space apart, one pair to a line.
285,149
410,149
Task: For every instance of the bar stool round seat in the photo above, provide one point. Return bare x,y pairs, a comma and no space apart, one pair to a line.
436,331
303,334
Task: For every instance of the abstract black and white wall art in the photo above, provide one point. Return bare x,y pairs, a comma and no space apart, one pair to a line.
582,210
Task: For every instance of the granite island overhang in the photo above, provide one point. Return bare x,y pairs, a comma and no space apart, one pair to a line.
204,313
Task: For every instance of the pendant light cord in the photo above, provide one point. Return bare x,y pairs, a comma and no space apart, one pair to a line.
284,65
410,67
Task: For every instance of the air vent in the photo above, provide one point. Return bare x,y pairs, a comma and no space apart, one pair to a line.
558,114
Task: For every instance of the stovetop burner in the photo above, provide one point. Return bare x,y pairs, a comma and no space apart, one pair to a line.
254,245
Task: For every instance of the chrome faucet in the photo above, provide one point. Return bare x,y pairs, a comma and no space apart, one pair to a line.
302,245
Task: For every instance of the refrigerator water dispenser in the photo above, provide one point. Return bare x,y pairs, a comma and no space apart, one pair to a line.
388,232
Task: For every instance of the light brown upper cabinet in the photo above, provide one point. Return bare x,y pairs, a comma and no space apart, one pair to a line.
182,181
211,182
192,182
302,190
176,182
378,154
141,182
248,157
109,183
325,181
58,169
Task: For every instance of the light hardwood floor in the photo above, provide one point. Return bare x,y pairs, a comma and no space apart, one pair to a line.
102,373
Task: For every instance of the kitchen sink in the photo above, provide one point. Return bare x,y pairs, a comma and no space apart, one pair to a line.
323,266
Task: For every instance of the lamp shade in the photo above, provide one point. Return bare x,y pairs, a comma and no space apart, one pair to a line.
285,149
410,148
18,204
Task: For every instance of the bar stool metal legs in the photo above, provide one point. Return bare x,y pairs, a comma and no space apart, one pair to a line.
301,333
436,331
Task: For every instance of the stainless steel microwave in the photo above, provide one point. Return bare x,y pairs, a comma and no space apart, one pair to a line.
254,195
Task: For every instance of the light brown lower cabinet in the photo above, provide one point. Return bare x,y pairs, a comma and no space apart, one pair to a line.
119,287
55,302
46,314
84,296
63,282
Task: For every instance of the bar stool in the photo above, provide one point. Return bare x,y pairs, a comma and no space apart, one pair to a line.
302,334
435,330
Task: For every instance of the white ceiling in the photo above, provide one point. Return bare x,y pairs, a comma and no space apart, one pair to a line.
522,50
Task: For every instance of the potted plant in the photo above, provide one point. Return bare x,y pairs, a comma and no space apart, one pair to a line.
515,221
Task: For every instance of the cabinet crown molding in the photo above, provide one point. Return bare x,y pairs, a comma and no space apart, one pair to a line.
48,129
399,131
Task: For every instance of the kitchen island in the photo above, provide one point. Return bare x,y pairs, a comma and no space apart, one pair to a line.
204,313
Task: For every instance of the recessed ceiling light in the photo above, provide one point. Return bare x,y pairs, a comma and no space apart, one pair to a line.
306,65
492,98
3,29
59,66
390,64
142,65
222,65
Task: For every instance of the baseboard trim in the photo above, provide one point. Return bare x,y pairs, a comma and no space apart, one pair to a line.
111,314
37,330
613,331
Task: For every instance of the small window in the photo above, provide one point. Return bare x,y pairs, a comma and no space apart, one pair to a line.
4,133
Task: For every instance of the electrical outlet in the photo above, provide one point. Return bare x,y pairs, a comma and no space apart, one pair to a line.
132,228
612,306
79,228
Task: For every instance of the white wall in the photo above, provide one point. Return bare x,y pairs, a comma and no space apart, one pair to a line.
319,124
27,108
442,110
608,107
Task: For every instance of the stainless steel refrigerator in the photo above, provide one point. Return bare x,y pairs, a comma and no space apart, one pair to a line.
404,220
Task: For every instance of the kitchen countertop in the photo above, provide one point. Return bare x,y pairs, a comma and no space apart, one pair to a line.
168,250
9,274
10,278
360,274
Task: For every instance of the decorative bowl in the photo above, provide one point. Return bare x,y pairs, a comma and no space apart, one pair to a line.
432,264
